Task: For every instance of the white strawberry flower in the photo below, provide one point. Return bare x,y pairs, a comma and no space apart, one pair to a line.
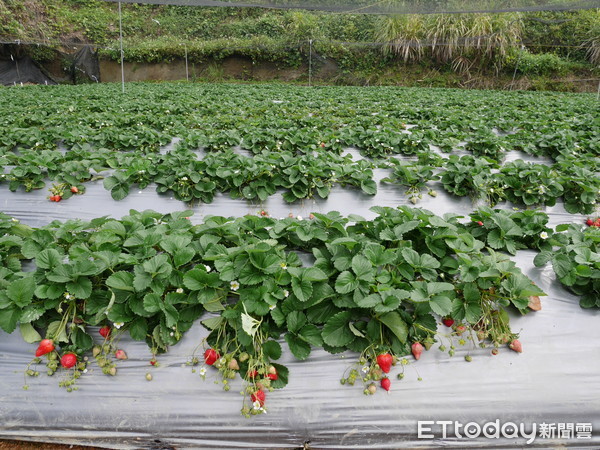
184,179
179,290
286,293
283,266
68,296
234,285
118,324
208,269
365,369
256,405
544,235
272,307
299,217
202,371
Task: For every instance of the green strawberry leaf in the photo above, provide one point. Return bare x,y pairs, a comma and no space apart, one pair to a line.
299,348
336,331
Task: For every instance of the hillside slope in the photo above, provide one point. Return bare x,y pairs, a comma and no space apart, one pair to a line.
564,45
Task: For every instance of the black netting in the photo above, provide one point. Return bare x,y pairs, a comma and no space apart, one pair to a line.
393,6
86,65
21,70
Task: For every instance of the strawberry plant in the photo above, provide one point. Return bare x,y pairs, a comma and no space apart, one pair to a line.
512,230
412,176
222,140
531,184
486,144
581,186
468,176
27,175
576,262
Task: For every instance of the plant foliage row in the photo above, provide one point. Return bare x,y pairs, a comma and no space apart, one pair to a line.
375,287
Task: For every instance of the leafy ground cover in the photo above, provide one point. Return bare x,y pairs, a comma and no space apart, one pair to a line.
297,137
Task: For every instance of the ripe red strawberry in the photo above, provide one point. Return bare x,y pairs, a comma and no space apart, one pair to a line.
385,361
211,356
589,222
105,331
252,373
322,144
68,360
120,354
258,396
480,223
57,198
448,321
460,329
516,346
386,384
272,376
74,189
417,349
46,346
153,361
51,198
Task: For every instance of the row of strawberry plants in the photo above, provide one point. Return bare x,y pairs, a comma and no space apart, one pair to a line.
187,176
573,179
376,287
296,119
373,140
308,175
257,178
